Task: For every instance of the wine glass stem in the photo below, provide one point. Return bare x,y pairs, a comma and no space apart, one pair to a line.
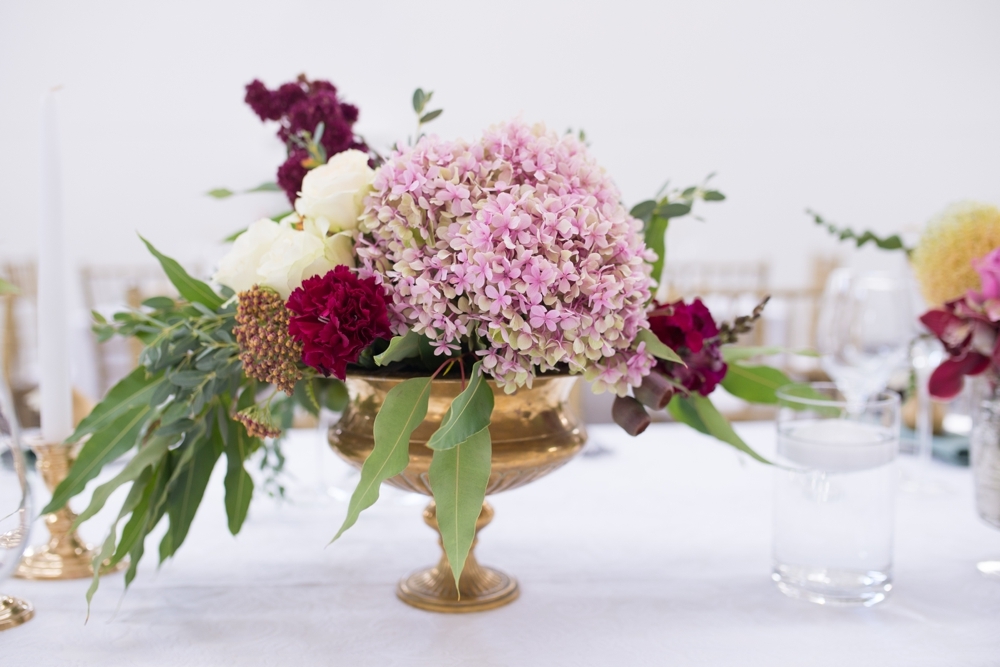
925,420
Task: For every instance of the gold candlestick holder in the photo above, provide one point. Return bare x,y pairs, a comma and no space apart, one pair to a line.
14,612
66,555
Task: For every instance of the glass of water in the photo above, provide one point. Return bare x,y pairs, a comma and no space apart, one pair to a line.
834,495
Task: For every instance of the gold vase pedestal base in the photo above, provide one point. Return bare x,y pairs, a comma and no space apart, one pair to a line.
479,588
14,612
66,555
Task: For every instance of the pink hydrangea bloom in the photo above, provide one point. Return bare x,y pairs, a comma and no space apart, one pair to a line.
520,240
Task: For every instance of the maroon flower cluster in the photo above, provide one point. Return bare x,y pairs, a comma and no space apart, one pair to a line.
335,317
298,107
690,330
968,327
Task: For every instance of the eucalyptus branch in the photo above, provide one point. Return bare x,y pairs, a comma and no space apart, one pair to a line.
893,242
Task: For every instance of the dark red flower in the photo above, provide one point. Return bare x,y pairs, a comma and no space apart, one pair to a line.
291,173
690,330
335,317
299,107
968,329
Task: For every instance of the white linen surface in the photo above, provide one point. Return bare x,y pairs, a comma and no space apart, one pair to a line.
657,553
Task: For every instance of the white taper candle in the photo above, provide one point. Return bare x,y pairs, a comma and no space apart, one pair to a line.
56,399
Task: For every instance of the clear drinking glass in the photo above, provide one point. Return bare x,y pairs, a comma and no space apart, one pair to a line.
834,495
866,323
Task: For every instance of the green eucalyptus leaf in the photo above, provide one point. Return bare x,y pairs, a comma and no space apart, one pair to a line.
683,410
159,303
419,100
190,288
469,413
713,195
220,193
655,236
756,384
403,411
187,379
430,115
643,210
718,426
268,186
335,396
400,347
656,347
674,210
458,478
239,485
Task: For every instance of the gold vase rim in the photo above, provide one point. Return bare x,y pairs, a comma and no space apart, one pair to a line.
369,377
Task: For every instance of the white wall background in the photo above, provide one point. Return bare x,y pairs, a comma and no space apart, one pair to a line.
875,113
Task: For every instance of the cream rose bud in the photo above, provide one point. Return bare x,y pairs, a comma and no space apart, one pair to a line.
336,190
278,256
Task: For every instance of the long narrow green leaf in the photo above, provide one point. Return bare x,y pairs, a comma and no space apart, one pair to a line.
239,485
756,384
719,427
133,527
190,288
731,353
404,409
104,446
657,348
148,455
400,347
682,410
469,413
186,492
157,503
458,478
656,240
133,390
107,552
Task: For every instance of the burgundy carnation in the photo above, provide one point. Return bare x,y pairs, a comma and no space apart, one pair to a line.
335,317
690,330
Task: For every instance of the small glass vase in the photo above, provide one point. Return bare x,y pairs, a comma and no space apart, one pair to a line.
985,444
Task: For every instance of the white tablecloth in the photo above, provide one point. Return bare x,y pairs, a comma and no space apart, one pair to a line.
657,553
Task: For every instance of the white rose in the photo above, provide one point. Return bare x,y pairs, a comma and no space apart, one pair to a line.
238,269
336,190
281,257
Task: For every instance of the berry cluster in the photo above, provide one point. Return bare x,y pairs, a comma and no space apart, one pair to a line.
267,350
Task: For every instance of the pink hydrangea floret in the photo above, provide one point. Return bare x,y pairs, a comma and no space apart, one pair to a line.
520,240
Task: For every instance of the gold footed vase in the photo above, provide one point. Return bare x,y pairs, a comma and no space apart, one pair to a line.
66,555
533,432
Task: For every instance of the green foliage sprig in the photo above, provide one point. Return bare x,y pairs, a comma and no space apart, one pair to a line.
656,214
420,101
893,242
176,410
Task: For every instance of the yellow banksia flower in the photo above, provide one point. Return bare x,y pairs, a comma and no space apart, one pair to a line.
942,260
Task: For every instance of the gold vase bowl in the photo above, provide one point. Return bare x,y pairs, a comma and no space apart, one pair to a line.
533,432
